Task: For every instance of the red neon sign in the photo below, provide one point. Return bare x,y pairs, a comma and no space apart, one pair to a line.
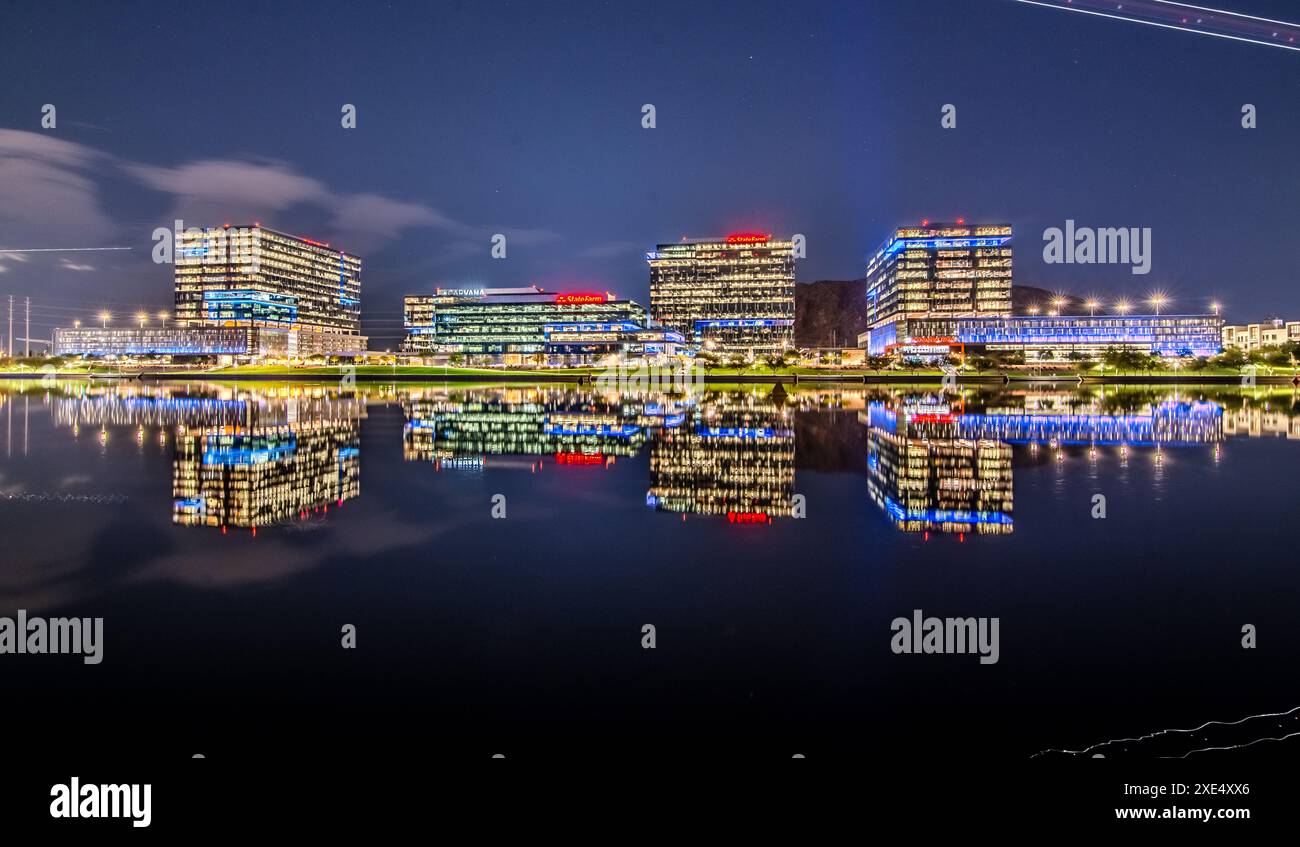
748,517
578,299
747,238
579,458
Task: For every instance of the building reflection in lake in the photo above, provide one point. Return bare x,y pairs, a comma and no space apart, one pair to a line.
925,475
734,456
934,461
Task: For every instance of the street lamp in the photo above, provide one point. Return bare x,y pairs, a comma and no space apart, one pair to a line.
1058,303
103,318
1033,310
162,317
1123,307
1216,307
142,318
1092,307
76,324
1158,300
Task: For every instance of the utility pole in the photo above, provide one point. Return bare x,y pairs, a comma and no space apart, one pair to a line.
27,329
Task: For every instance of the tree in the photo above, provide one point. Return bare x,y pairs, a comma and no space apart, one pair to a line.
1232,358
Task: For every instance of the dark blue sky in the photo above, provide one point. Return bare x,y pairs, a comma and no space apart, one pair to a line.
525,118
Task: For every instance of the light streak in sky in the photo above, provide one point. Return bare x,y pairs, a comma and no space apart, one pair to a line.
62,249
1186,17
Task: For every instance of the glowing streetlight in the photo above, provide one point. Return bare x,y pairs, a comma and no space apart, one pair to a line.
104,318
1092,305
162,318
142,318
1123,307
1058,303
1033,310
76,324
1158,300
1216,307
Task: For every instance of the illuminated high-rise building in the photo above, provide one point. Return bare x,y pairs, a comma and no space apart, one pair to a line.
730,295
252,276
922,280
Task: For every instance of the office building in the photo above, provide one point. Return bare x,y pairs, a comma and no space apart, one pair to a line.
243,292
1251,337
732,295
923,279
530,325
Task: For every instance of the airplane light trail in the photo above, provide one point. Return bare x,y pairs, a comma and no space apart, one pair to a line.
63,249
1186,17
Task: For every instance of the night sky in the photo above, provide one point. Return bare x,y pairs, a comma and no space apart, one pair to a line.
525,118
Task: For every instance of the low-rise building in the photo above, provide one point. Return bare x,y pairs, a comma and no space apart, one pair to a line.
526,325
232,342
1251,337
1049,337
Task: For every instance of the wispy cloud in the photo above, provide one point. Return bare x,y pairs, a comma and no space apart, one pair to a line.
50,186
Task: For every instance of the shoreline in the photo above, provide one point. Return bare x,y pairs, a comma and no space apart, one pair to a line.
708,379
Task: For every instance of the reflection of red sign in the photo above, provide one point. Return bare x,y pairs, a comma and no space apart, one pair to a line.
748,517
579,458
577,299
747,238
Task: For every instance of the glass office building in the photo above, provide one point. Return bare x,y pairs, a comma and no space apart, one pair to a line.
1050,337
729,295
938,272
1041,336
511,325
255,276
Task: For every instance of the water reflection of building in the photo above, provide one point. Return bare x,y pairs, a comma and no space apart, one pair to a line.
733,457
1170,423
927,476
461,428
261,475
241,458
1259,421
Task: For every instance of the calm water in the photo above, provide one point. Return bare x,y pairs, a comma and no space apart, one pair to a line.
226,533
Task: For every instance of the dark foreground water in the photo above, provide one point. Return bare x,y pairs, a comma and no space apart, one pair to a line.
500,550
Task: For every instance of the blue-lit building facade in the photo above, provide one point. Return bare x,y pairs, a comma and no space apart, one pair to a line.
243,292
531,325
944,289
